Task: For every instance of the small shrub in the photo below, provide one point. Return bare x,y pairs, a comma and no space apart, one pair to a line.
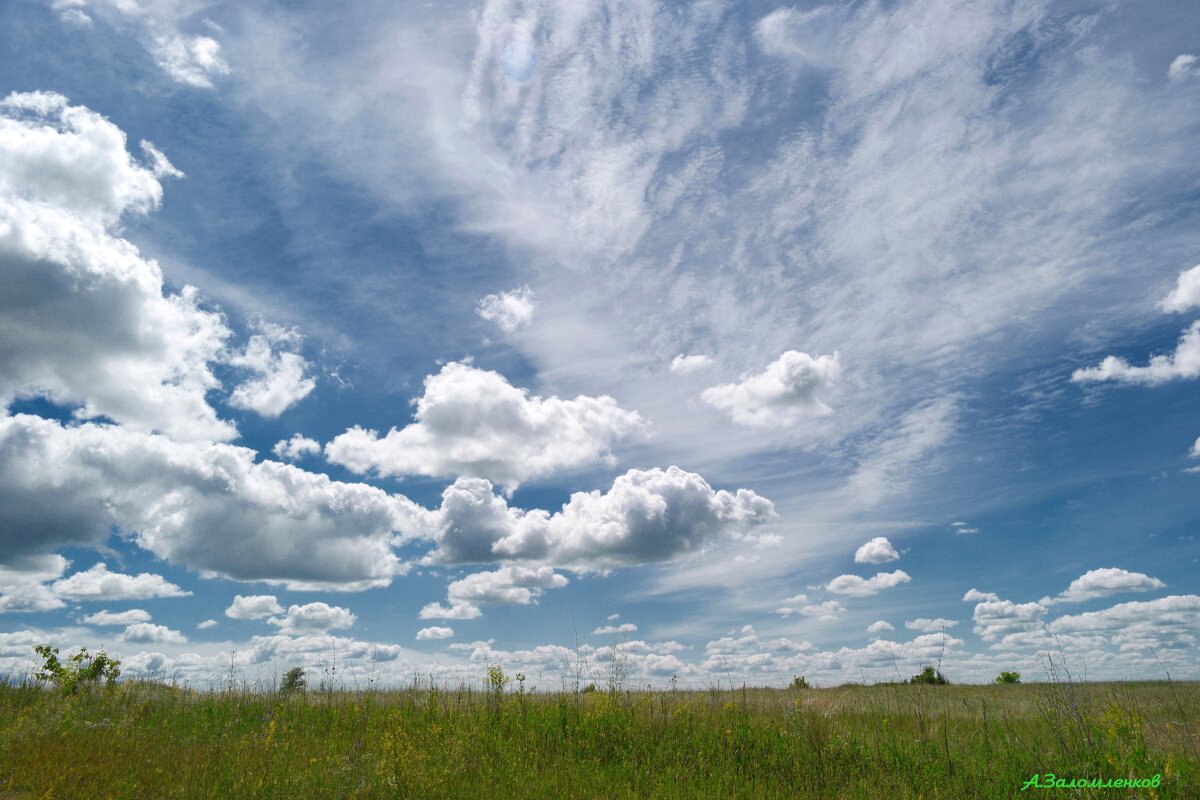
1008,677
81,671
799,682
930,676
293,681
495,680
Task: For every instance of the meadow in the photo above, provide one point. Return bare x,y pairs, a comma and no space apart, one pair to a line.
138,739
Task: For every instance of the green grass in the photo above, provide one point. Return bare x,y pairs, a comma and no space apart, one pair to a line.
886,741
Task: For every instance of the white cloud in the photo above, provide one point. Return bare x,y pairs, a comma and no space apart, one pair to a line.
1195,453
975,596
29,597
1183,66
855,586
1171,620
647,515
206,624
434,632
473,422
83,316
809,37
926,625
281,381
117,617
995,620
98,583
148,633
159,164
877,551
188,58
606,630
963,528
782,394
1104,582
313,618
509,310
880,626
1183,363
1186,294
71,12
825,612
258,606
208,506
31,569
296,448
895,459
508,585
683,365
439,611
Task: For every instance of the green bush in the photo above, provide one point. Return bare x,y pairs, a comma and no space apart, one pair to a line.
931,676
799,682
1008,677
81,671
293,681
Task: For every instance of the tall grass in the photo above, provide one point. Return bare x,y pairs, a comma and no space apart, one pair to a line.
151,740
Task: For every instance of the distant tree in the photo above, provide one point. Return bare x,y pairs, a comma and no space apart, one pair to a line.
293,681
1008,677
799,682
81,671
931,676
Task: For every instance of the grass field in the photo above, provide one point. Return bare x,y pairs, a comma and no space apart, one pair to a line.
149,740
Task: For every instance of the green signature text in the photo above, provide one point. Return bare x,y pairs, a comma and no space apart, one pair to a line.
1052,781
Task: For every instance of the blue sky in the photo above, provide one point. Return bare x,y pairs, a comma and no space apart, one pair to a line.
737,340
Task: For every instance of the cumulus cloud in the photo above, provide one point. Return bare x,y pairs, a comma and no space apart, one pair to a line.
608,630
148,633
682,365
1186,294
1181,364
1182,66
646,516
1171,620
259,606
1001,620
880,626
280,380
28,569
855,586
117,617
434,632
975,596
439,611
208,506
877,551
313,618
508,585
782,394
130,352
296,448
826,611
473,422
509,310
98,583
206,624
29,597
926,625
1104,582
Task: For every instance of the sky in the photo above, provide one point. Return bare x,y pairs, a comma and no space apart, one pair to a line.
709,342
